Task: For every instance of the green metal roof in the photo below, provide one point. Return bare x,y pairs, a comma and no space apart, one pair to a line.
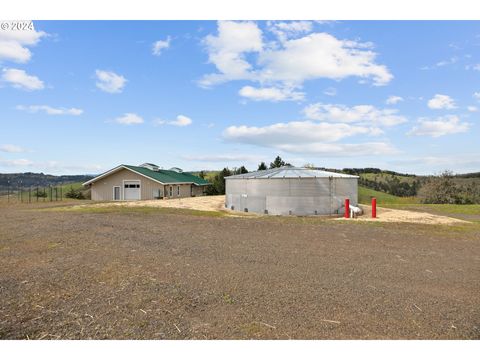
168,176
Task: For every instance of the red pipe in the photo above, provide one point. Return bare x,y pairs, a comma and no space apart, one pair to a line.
347,208
374,207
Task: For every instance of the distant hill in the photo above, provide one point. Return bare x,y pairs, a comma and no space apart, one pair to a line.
25,180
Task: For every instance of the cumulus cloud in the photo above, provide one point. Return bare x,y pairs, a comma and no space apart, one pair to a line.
9,148
14,44
271,94
295,133
160,45
440,126
227,51
286,30
180,121
129,119
440,101
50,110
364,114
472,108
19,79
321,55
392,100
290,62
307,137
476,95
109,81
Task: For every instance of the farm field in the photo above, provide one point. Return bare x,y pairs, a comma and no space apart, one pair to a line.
166,273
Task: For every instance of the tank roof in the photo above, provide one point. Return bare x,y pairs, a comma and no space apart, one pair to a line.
290,172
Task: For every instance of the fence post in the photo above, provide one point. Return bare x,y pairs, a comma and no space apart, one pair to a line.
37,193
51,193
374,207
8,193
44,194
29,194
61,194
347,208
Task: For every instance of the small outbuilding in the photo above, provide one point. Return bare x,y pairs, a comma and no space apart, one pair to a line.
145,182
291,191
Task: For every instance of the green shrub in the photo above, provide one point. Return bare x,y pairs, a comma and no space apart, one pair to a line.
75,193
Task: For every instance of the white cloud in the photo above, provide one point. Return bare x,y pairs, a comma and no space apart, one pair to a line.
21,80
9,148
442,63
50,110
160,45
440,101
16,162
271,94
287,30
129,119
14,44
364,114
331,91
290,62
227,51
321,55
340,150
309,137
181,121
476,95
444,125
110,82
393,99
294,133
472,108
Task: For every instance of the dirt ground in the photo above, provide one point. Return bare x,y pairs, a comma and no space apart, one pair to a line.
143,273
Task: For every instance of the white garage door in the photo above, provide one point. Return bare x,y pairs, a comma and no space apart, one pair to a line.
131,190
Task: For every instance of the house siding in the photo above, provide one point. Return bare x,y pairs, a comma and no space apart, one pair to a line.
102,190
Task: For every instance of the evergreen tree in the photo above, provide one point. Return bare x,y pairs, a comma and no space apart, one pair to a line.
278,162
242,170
262,166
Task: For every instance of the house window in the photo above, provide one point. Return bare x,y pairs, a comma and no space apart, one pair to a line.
178,190
171,191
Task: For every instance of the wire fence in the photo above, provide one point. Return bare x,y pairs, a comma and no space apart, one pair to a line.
33,194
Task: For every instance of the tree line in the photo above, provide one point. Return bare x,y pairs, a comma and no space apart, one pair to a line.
217,186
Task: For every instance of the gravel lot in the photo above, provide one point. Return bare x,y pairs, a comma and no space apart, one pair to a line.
142,273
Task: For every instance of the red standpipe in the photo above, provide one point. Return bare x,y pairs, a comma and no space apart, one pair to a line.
374,207
347,208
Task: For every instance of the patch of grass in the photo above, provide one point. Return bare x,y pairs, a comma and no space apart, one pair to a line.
140,209
228,299
365,196
61,189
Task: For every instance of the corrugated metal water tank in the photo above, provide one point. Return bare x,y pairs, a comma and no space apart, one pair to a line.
291,191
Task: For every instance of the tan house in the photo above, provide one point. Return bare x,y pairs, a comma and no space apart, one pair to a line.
145,182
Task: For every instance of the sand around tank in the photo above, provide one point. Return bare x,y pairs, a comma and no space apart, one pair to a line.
394,215
217,203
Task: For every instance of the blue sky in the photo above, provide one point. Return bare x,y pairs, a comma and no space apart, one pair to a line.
83,96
